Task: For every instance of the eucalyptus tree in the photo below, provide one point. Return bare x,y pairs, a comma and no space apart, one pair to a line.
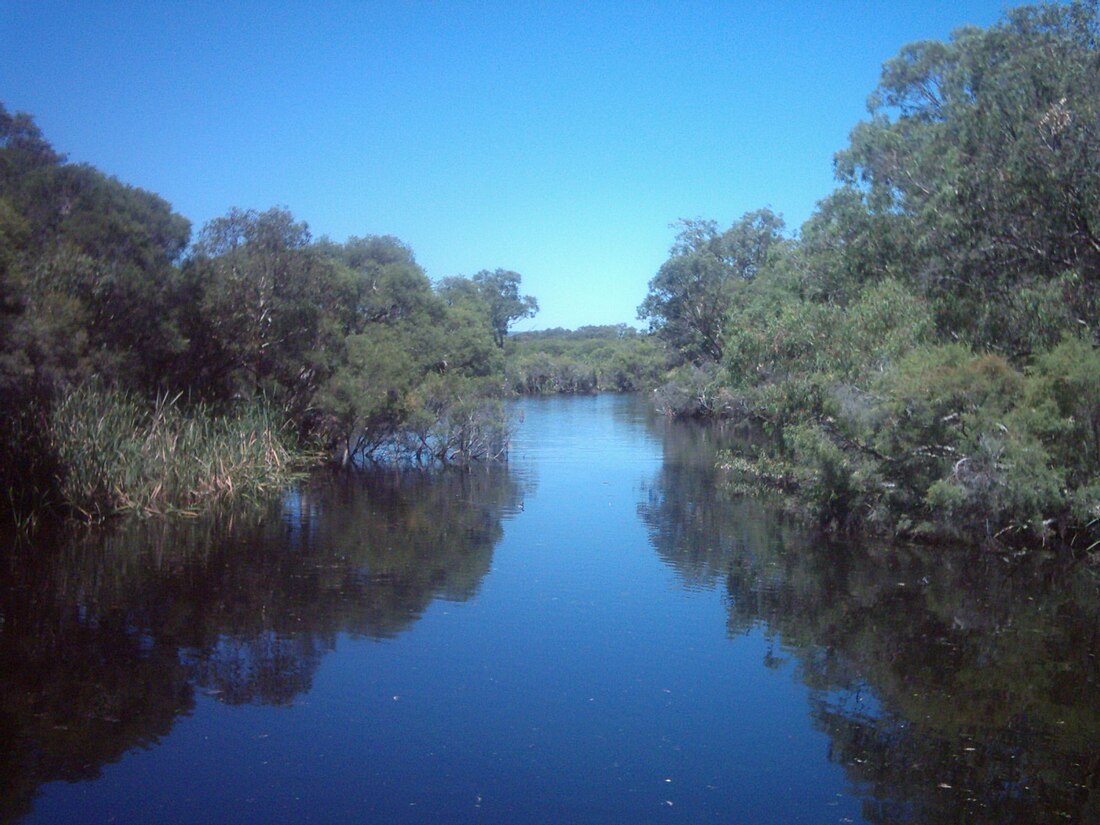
380,281
987,146
263,299
691,294
409,357
500,290
87,268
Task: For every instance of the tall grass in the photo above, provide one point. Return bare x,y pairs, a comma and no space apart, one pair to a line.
117,454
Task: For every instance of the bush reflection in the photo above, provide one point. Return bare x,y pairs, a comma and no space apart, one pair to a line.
105,639
955,685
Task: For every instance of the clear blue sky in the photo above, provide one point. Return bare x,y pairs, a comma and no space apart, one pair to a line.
557,139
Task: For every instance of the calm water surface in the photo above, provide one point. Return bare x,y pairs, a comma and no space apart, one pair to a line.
595,634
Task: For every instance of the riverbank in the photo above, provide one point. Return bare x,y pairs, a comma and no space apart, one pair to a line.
946,444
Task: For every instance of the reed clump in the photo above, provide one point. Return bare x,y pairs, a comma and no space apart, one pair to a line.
117,454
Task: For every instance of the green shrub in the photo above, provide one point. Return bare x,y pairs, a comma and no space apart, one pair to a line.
695,392
1005,484
935,407
840,484
1063,400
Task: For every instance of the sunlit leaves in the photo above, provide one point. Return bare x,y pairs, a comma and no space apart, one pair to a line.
691,294
987,148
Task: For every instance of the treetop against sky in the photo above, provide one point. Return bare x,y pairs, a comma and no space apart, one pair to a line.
560,141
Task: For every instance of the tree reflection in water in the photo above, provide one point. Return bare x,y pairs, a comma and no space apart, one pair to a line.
105,638
956,685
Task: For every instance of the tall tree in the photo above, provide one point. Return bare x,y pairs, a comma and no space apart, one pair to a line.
87,269
382,281
262,298
988,146
690,295
500,290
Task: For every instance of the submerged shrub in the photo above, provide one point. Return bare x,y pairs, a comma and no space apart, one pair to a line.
457,420
978,449
946,442
695,392
1005,484
839,483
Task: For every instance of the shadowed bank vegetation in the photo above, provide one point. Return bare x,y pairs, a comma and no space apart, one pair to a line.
922,355
111,635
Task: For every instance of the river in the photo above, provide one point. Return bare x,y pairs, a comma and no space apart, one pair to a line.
595,633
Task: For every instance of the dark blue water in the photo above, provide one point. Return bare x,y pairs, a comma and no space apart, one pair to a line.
594,634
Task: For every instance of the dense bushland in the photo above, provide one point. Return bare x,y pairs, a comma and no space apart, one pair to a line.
140,372
923,353
614,358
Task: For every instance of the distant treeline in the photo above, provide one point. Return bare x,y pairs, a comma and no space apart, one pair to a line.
923,353
613,358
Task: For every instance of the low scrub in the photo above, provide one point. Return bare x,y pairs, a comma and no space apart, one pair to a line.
588,360
950,443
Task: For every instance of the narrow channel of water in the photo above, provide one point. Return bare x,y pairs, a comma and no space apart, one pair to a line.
593,634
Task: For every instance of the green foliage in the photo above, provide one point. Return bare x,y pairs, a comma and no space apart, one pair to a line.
100,306
923,354
936,407
497,293
1063,407
539,373
260,295
87,275
415,376
458,420
846,245
953,443
695,391
366,399
840,485
635,365
691,294
608,358
773,335
1003,483
379,281
984,148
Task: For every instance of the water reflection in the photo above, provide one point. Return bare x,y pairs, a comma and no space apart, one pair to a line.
986,671
104,639
693,527
955,686
951,686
